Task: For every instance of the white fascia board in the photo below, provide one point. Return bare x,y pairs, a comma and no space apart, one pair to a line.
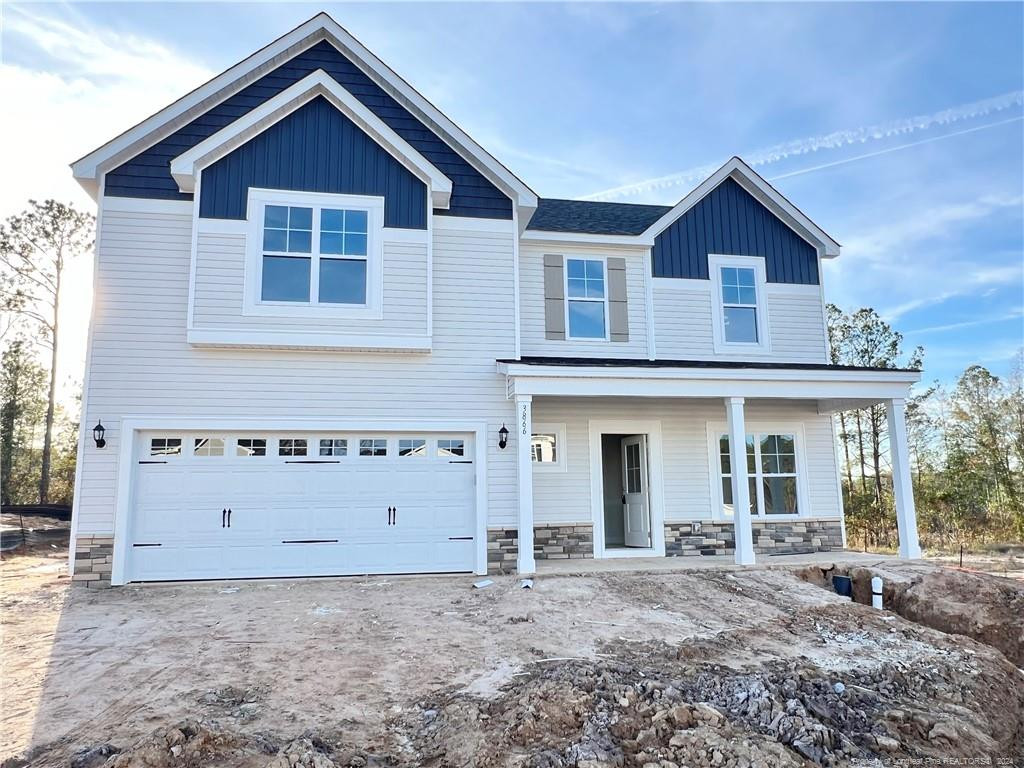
89,168
866,392
720,374
765,193
537,236
185,168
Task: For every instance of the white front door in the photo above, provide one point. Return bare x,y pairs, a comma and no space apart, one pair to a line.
635,498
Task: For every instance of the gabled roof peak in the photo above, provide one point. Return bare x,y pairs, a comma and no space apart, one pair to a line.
90,168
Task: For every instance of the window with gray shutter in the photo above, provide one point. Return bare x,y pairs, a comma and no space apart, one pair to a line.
554,296
618,317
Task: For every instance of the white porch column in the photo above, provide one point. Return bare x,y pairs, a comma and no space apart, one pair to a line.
524,437
742,531
902,489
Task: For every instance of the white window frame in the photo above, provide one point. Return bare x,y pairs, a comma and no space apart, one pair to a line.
758,429
559,464
763,344
603,302
252,302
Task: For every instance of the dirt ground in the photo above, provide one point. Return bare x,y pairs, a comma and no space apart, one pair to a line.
719,668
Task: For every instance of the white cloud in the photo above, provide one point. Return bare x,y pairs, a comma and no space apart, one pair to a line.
78,87
71,88
836,140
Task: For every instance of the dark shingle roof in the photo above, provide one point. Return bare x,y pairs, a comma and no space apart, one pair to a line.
622,362
594,218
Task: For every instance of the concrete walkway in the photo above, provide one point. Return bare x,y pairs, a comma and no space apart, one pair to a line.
623,564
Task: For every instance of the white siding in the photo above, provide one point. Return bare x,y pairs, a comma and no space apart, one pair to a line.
564,497
142,366
219,287
531,305
683,316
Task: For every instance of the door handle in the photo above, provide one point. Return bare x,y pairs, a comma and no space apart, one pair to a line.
229,517
389,515
394,516
223,517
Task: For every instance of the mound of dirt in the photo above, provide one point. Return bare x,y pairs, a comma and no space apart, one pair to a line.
655,708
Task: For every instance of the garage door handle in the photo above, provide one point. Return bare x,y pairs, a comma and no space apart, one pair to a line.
389,515
394,516
229,517
223,517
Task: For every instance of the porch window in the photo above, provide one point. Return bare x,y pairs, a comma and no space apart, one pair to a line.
771,473
547,447
586,305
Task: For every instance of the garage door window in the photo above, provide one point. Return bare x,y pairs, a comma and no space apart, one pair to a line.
373,447
446,448
291,447
208,446
251,446
412,447
165,446
334,447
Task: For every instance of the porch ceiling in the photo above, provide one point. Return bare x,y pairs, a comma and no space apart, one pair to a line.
833,387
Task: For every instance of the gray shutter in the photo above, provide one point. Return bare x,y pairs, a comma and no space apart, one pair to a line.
554,296
618,316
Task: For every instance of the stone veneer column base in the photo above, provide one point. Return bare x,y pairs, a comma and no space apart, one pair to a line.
94,556
550,542
715,537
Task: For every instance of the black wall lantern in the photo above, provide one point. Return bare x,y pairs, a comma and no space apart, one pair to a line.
97,434
503,437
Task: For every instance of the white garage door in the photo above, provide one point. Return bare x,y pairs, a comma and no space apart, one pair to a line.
250,505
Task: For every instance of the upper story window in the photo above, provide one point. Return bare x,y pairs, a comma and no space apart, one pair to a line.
586,303
741,321
314,254
327,269
739,305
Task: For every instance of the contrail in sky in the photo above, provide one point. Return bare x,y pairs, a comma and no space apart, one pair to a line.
834,140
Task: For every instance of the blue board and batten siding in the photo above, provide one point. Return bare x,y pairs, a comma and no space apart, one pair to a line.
728,220
314,149
148,174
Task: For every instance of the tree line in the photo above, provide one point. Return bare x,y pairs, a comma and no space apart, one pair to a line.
38,437
966,444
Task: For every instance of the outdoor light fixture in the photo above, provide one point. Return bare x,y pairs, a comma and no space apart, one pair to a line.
97,434
503,437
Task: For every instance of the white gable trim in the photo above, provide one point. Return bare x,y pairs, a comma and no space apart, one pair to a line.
185,167
89,168
764,193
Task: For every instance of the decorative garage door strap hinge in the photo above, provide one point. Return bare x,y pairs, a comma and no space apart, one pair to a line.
146,545
310,541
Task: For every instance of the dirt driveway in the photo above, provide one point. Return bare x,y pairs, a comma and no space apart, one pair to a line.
428,670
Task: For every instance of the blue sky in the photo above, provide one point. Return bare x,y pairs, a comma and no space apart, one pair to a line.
896,127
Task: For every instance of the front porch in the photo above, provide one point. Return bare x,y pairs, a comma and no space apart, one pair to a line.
718,562
626,459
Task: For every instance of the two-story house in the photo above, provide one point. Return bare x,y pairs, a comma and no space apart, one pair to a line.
332,335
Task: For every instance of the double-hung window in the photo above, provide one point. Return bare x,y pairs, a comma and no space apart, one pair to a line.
771,472
314,253
739,287
587,307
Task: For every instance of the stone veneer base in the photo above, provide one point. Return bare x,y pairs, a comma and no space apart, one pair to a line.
94,556
550,542
715,537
